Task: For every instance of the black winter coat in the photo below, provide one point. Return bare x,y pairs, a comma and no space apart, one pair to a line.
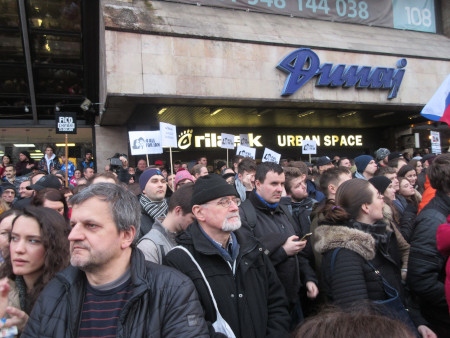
164,304
272,228
352,279
252,301
426,266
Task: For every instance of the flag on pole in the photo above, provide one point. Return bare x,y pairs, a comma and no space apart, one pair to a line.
438,108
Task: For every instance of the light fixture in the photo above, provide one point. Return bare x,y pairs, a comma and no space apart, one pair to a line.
305,114
26,109
57,109
414,116
347,114
162,110
24,145
213,112
63,144
383,114
86,104
263,112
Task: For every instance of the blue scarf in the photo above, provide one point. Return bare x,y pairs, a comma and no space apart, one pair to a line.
271,206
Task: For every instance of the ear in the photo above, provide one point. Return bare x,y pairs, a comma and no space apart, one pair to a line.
177,211
365,208
257,184
198,212
332,188
127,237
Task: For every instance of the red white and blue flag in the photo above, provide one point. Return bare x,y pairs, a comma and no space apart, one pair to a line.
438,108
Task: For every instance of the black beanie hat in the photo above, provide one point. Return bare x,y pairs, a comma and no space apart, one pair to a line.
381,183
210,187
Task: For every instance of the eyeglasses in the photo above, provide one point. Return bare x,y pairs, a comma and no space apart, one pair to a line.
226,202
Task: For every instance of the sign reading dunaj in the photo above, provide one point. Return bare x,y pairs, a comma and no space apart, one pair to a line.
303,64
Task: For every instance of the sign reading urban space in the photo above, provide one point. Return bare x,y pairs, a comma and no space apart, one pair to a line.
416,15
187,140
303,64
66,123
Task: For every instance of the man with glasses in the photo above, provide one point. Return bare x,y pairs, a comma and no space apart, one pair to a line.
244,283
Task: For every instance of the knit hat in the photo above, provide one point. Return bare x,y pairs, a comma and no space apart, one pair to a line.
26,154
381,153
381,183
395,155
47,181
362,161
147,175
220,164
7,186
183,175
428,157
210,187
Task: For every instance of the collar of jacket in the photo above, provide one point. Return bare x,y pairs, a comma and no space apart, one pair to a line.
329,237
194,236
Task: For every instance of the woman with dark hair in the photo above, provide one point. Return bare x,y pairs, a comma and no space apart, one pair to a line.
6,219
359,253
53,199
25,165
6,160
38,249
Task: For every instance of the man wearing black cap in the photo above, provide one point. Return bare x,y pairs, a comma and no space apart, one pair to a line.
38,182
152,199
244,284
323,163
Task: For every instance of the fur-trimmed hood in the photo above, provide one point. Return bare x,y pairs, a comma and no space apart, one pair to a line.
327,237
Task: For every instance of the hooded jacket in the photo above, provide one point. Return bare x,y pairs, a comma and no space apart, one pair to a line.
163,304
252,300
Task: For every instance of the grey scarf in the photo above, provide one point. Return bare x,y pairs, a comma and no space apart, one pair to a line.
152,208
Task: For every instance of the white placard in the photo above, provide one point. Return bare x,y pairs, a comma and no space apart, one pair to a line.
227,141
145,142
244,140
309,147
168,134
435,142
271,156
246,151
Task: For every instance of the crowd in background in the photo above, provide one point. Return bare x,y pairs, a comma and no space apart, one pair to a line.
337,232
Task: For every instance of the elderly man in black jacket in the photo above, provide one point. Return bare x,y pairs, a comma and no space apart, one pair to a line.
426,266
110,291
245,286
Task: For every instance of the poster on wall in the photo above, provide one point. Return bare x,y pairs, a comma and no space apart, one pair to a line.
435,142
145,142
246,151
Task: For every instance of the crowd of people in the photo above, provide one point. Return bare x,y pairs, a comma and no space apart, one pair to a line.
253,249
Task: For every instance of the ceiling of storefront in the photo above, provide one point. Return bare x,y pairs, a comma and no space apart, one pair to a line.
189,113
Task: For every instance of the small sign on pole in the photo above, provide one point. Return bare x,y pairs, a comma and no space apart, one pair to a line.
66,123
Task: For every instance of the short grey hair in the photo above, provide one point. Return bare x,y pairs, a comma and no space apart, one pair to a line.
124,205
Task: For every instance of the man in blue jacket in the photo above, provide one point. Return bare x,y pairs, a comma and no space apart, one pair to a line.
110,291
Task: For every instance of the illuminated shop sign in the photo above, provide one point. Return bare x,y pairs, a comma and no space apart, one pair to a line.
321,140
303,64
187,139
